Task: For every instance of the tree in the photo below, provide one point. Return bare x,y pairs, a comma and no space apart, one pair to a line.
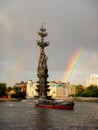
91,91
79,90
19,93
3,89
9,89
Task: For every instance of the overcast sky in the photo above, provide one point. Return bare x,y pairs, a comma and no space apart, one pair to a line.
71,25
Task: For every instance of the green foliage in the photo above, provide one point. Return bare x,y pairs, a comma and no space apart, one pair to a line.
9,89
90,91
72,95
19,93
79,90
3,89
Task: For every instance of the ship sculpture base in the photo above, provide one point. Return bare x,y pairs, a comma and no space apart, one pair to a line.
55,104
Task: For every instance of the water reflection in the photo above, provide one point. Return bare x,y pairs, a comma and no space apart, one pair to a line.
25,116
42,119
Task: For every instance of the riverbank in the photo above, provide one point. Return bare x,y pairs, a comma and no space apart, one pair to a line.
86,99
11,99
81,99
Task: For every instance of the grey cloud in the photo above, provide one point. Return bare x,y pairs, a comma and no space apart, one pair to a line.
70,25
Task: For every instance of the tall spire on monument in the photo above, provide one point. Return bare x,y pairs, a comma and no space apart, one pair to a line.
42,71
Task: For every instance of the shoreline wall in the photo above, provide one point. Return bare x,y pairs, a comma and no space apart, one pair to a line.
86,99
81,99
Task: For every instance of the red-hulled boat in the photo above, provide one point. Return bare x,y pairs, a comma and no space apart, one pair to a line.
55,105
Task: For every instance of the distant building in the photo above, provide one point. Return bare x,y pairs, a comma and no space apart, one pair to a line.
59,90
31,90
92,79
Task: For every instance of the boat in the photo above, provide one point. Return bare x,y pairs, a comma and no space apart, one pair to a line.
55,104
24,100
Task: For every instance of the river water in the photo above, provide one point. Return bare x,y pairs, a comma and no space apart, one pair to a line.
25,116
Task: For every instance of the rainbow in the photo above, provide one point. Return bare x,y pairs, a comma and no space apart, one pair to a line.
16,66
73,64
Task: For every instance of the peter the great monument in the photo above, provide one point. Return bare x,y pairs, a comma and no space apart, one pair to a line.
42,71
